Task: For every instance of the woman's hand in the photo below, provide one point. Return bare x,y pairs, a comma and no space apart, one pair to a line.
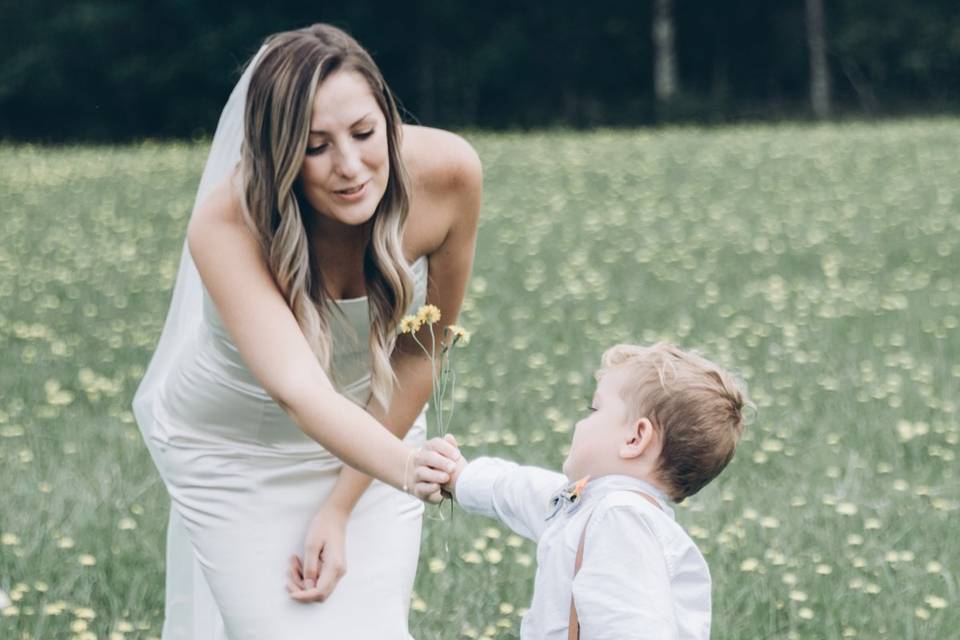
433,467
325,557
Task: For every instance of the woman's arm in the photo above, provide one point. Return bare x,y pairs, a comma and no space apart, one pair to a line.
274,348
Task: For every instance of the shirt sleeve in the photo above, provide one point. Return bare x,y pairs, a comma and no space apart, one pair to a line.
622,591
517,496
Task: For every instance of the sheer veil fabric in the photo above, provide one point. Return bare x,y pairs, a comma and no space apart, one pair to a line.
186,591
185,307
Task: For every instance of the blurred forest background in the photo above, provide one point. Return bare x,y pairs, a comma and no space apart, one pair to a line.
112,70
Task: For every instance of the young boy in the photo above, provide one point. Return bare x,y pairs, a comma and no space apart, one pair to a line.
663,423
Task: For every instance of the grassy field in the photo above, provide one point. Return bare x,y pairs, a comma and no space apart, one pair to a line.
821,263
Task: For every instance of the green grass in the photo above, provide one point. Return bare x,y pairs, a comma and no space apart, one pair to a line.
820,262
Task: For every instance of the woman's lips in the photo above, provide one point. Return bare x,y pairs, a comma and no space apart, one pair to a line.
351,194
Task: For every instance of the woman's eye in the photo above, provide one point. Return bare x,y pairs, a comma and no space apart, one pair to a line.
317,150
363,135
591,408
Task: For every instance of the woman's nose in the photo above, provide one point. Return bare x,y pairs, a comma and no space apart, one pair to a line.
348,162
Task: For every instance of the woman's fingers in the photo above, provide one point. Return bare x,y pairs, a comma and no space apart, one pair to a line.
428,492
295,574
306,596
293,588
295,583
311,564
427,458
446,447
426,474
330,573
435,461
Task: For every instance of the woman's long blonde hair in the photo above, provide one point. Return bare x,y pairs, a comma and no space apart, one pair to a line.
276,127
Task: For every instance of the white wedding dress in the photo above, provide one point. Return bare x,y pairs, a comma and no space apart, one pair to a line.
244,482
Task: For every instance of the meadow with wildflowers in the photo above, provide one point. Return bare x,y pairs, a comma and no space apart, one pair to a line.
818,262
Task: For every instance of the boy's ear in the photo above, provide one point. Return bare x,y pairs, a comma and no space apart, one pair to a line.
640,437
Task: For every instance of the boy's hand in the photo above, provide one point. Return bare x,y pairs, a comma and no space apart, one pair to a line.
448,448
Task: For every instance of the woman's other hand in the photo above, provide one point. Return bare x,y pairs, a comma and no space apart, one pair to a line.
324,557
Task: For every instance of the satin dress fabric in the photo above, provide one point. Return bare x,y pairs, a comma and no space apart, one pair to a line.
244,483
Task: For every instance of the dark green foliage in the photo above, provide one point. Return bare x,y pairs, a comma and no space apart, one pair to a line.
107,70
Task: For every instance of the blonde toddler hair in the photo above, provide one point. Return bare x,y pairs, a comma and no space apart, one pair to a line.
695,406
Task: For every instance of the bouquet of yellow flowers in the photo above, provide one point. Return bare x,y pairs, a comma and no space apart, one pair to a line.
443,376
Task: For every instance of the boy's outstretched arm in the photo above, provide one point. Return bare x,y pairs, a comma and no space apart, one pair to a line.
517,496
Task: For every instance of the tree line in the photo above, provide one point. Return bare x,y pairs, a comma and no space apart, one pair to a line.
117,70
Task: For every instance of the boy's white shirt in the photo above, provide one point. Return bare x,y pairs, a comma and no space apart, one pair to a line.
642,576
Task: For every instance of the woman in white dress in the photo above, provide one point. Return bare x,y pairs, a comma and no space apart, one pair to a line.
318,220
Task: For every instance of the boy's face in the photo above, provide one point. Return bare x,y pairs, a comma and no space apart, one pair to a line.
598,437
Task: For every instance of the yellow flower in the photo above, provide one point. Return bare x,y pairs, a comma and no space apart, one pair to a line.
514,541
846,509
471,557
428,314
410,324
459,334
10,539
750,564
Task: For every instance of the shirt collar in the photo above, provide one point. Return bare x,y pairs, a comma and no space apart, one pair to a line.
597,488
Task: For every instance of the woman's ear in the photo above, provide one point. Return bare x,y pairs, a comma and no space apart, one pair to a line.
640,437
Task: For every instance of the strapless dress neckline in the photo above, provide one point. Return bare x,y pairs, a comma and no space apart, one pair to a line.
415,266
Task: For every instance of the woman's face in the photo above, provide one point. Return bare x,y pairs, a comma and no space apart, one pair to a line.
346,166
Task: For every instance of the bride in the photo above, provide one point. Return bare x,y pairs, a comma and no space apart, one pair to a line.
320,221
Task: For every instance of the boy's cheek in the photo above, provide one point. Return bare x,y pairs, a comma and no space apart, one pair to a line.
571,456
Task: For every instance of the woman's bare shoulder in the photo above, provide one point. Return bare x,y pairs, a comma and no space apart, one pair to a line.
220,210
221,205
446,181
441,162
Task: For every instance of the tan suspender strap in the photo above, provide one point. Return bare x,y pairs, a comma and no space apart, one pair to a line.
573,630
